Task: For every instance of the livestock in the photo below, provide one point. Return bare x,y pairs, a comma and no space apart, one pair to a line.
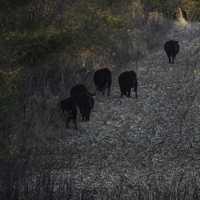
171,48
127,81
103,80
85,103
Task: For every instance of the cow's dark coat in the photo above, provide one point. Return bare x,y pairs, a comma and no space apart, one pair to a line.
171,48
128,80
103,80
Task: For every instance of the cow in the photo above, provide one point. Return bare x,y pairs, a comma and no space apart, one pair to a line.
83,100
171,48
79,90
128,80
68,107
85,103
103,80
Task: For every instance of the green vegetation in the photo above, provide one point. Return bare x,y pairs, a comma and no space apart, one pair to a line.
9,89
29,36
192,8
31,30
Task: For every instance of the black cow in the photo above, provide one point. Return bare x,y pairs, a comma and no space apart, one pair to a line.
79,90
171,48
68,107
103,80
128,80
83,100
85,104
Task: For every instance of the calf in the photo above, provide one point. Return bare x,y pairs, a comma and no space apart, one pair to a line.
128,80
68,107
171,48
103,80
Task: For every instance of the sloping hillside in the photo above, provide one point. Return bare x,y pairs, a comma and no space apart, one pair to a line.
156,134
139,148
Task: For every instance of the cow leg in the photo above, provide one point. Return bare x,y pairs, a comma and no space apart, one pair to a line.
126,93
172,59
85,117
88,117
135,89
123,92
67,122
108,92
82,114
169,59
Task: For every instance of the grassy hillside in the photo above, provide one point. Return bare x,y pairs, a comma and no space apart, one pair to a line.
131,149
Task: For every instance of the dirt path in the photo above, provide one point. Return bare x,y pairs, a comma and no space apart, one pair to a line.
156,133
